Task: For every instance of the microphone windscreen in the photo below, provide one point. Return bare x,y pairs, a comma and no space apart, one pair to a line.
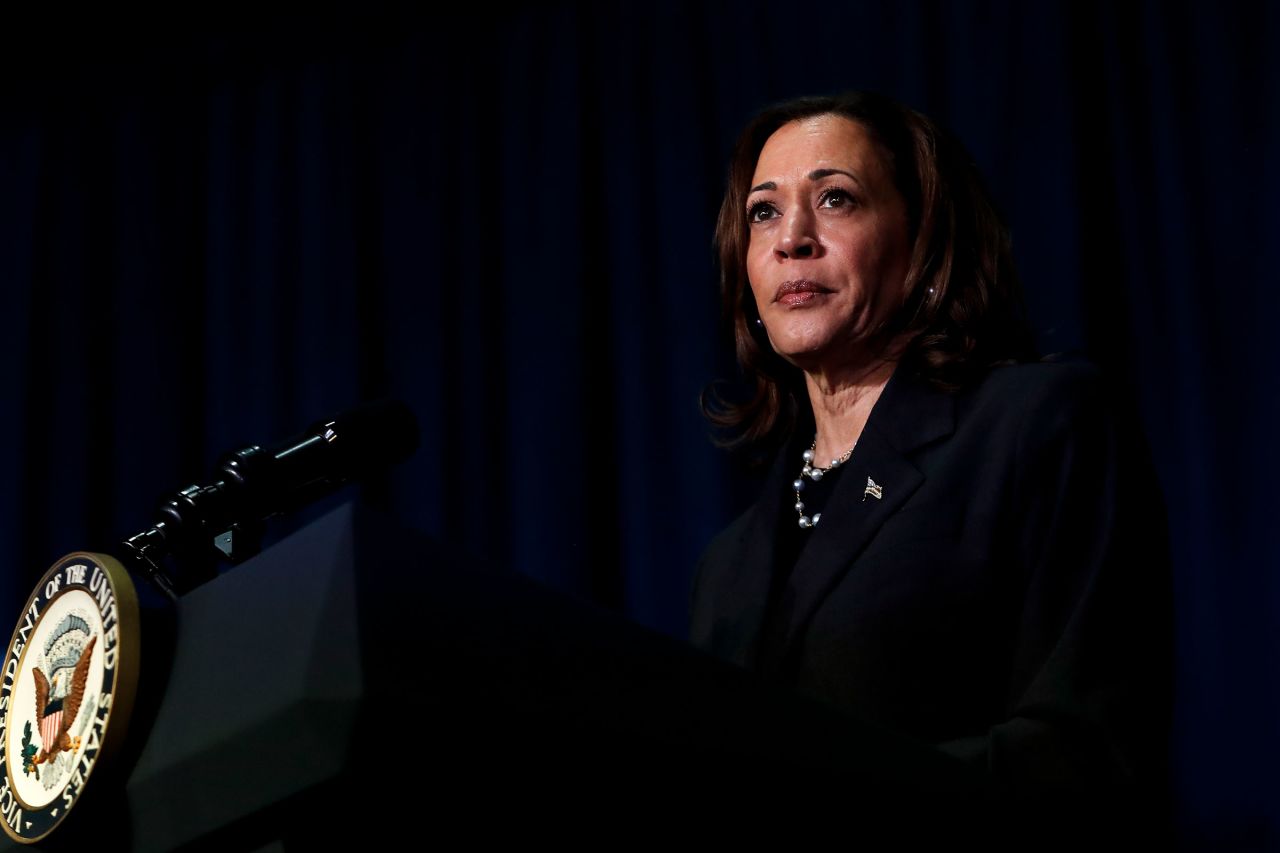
371,436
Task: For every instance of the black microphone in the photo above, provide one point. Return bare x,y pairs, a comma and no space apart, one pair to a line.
255,483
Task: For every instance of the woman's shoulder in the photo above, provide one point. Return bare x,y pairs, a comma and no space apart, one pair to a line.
1051,378
1052,391
1025,410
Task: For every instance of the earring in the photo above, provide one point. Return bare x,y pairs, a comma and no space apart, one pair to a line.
760,322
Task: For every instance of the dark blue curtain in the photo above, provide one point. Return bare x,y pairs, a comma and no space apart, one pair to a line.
503,216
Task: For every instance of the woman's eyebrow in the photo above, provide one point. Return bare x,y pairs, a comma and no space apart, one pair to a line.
815,175
819,174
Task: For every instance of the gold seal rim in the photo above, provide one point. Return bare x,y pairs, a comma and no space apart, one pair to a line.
125,683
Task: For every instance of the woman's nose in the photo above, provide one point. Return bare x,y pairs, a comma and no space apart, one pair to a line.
797,239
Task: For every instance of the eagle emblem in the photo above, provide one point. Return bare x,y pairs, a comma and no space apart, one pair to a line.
67,654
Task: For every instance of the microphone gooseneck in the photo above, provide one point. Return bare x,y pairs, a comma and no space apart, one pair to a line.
256,483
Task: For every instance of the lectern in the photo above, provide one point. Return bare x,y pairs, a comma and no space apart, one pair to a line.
357,683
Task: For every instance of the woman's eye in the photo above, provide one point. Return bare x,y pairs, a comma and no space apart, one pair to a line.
760,211
836,198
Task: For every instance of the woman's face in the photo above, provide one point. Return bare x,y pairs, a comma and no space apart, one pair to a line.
828,251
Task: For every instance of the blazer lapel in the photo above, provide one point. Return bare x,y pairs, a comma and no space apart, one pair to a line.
877,480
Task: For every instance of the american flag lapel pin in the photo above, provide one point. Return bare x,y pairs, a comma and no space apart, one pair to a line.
873,489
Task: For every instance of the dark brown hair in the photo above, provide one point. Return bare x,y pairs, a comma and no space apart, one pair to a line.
963,311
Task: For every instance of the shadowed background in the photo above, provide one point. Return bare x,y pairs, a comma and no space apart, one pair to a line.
503,216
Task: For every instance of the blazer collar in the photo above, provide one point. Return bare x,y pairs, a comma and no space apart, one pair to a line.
908,416
910,413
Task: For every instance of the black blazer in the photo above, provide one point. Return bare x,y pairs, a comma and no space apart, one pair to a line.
1006,598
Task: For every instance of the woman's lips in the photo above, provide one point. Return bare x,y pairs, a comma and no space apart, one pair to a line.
799,292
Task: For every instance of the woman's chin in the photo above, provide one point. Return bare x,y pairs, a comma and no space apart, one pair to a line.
809,359
826,356
803,349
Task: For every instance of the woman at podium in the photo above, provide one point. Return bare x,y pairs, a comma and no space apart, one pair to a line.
954,539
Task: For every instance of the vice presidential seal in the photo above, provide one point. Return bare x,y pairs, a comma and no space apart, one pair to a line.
68,684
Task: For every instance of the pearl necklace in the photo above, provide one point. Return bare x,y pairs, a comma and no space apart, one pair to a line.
815,474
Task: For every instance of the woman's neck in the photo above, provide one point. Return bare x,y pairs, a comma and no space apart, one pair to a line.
842,403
